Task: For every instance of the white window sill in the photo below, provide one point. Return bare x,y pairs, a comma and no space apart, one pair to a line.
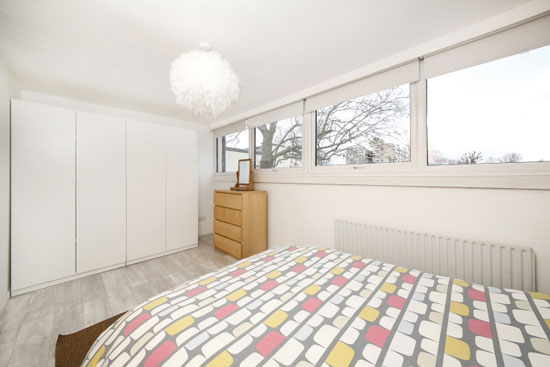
526,176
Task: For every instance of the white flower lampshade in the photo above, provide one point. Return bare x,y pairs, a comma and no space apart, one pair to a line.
204,82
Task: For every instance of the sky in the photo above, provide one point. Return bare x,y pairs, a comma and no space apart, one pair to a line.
495,108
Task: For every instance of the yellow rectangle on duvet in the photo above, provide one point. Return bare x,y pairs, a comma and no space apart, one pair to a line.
459,308
223,359
276,318
155,303
312,289
388,288
540,295
274,274
244,264
368,313
207,281
179,325
236,295
340,356
457,348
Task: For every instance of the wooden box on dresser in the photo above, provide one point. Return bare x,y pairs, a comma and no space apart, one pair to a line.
240,222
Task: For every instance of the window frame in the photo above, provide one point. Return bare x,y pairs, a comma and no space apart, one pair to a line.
368,167
507,164
227,173
416,172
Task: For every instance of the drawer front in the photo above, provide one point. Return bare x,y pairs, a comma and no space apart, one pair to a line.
228,215
225,244
228,230
232,201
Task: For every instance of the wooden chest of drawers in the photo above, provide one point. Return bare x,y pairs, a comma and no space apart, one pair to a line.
240,222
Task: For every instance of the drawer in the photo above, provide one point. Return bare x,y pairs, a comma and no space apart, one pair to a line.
225,244
228,230
233,201
228,215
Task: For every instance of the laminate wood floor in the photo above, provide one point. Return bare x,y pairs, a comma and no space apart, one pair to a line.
31,322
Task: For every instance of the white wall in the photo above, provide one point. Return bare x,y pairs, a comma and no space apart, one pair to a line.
206,172
304,214
7,91
206,182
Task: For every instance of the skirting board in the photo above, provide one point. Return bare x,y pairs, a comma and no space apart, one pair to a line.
4,301
93,272
63,280
135,261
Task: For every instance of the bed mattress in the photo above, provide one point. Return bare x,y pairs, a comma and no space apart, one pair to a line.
305,306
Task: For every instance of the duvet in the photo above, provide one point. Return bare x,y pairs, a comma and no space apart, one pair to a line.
304,306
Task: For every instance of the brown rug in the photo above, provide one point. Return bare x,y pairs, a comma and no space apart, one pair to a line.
70,350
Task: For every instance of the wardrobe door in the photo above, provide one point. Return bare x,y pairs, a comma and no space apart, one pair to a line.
42,194
100,191
146,189
181,188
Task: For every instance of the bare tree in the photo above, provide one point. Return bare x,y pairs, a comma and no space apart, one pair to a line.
227,143
234,139
364,123
471,158
511,158
278,144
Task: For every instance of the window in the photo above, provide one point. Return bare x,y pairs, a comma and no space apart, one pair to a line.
279,144
496,112
231,148
370,129
465,115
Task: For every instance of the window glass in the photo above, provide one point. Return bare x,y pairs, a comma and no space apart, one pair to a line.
231,148
369,129
279,144
498,112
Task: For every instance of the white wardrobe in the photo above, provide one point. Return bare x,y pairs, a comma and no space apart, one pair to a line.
92,192
100,191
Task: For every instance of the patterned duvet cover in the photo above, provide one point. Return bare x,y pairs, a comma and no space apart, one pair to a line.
303,306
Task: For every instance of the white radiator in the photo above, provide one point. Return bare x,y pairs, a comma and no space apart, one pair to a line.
491,264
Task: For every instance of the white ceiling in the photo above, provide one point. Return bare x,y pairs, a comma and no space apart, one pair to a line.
118,52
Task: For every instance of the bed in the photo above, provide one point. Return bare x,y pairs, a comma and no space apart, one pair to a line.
305,306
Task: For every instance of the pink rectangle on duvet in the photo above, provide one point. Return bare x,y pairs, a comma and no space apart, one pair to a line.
377,335
339,280
160,354
195,291
268,285
476,295
269,342
133,325
237,272
226,310
480,327
409,278
396,301
311,304
299,268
